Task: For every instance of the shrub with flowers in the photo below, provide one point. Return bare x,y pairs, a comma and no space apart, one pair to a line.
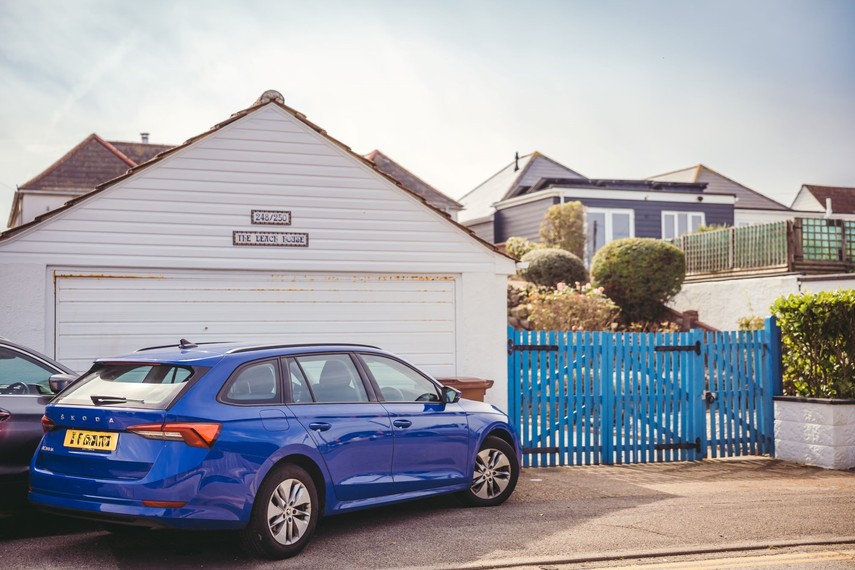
571,308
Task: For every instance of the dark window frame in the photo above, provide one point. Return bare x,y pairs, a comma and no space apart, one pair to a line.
364,369
367,384
280,399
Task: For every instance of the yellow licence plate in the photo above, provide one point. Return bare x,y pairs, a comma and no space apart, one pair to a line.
91,440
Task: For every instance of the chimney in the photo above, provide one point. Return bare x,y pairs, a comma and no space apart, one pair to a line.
516,161
828,211
144,137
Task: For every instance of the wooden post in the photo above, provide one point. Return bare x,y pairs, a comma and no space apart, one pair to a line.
773,384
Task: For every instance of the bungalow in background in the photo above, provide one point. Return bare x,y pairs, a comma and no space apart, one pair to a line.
827,201
514,201
750,207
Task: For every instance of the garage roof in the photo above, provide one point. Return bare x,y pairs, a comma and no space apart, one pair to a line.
270,97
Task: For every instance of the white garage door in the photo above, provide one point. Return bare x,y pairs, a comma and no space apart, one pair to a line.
106,314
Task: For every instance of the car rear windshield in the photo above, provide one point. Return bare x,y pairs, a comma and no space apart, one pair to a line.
150,386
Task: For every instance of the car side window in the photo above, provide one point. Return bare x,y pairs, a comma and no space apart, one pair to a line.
256,383
398,382
333,378
300,391
22,375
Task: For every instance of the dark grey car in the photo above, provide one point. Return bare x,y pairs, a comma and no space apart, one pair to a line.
25,389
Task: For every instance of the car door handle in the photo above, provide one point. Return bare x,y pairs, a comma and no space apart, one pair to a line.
320,426
402,423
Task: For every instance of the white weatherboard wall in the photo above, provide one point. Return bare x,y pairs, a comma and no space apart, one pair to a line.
815,432
150,259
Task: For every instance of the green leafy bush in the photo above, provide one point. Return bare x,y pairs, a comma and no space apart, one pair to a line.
563,227
548,267
519,246
577,308
711,228
640,275
750,323
818,336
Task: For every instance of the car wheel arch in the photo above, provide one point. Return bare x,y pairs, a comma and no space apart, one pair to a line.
500,433
311,465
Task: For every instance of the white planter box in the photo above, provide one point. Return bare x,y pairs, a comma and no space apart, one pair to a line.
815,432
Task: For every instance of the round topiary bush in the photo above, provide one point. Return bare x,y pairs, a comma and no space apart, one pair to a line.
548,267
519,246
639,274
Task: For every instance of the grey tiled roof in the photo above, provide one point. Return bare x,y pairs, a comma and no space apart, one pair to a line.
412,182
511,180
92,162
746,198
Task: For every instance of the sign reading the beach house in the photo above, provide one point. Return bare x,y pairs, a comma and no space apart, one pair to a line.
274,239
271,217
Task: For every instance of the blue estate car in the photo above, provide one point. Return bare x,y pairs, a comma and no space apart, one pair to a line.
264,440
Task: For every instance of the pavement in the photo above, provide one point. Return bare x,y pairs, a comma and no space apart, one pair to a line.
571,517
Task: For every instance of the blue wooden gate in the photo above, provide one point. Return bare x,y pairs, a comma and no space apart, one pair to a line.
581,398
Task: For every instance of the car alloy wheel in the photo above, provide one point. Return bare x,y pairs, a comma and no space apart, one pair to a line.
495,474
289,512
284,514
492,474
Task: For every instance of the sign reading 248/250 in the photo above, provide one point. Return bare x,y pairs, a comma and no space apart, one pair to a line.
272,217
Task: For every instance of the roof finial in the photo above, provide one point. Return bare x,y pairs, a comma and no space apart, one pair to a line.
270,95
516,161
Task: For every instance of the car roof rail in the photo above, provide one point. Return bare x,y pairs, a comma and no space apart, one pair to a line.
298,345
184,343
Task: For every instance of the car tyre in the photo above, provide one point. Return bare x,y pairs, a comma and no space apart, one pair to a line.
495,475
284,514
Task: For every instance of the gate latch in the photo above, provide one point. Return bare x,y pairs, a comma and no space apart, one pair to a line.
708,396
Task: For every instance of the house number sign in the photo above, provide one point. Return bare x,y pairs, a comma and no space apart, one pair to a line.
273,239
271,217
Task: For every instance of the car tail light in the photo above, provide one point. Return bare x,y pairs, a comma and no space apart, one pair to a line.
4,415
47,424
193,434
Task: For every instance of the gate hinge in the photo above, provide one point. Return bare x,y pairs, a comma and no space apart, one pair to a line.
669,446
696,348
531,347
539,450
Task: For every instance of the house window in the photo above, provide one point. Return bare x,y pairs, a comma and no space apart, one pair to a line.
603,226
675,224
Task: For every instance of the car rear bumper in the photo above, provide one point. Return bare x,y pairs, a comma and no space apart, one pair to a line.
106,509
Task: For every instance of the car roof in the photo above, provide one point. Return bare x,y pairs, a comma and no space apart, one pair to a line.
35,354
207,354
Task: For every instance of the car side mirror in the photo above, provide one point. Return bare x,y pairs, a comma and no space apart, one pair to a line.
450,395
59,382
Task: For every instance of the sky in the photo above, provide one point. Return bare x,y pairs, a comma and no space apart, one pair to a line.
762,91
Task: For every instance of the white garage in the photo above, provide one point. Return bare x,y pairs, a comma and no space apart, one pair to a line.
263,229
102,313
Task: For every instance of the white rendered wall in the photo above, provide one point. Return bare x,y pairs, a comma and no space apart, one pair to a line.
815,433
751,217
722,303
23,304
36,204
